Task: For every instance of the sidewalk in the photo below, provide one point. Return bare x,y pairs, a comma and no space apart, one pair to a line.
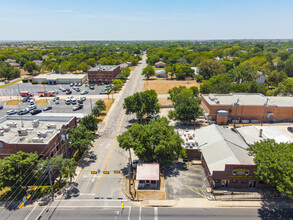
204,203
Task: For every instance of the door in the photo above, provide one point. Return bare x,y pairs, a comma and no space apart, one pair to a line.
252,183
225,183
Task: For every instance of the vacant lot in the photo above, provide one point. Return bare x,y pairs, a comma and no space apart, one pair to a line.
162,86
13,102
164,102
42,102
132,68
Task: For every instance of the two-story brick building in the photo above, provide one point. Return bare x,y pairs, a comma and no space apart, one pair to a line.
44,135
247,108
103,74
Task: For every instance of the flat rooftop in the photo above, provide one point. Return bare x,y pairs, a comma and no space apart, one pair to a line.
60,76
256,99
104,68
14,130
148,171
251,134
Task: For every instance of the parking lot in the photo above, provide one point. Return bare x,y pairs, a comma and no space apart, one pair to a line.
56,108
184,181
12,90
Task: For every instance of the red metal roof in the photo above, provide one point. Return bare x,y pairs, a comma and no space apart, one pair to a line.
148,171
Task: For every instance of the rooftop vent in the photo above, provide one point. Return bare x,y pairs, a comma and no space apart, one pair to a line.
36,123
6,128
51,126
42,134
22,131
11,124
37,140
1,132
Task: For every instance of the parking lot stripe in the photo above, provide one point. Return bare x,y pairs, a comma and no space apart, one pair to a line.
196,190
194,173
194,180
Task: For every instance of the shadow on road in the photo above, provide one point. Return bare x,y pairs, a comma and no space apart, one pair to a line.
175,169
88,158
276,209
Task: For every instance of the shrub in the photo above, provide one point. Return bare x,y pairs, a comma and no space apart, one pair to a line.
25,80
34,82
44,82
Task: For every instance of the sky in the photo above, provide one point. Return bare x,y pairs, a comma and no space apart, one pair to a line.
145,19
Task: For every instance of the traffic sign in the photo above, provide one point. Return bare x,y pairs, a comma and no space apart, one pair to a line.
19,207
106,172
116,171
94,172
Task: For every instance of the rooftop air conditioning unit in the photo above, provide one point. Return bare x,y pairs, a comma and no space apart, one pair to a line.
51,126
1,132
6,128
22,131
11,124
37,140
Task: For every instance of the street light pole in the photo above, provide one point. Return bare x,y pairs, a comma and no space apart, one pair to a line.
265,107
236,104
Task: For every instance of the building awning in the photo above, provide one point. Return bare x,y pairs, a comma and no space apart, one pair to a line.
148,171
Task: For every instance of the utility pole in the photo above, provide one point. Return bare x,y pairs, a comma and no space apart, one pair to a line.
18,100
236,104
265,106
49,172
129,177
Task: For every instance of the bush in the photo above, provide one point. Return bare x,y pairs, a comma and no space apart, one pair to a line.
44,82
34,82
25,80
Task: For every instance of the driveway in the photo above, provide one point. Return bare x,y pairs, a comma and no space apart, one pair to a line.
184,181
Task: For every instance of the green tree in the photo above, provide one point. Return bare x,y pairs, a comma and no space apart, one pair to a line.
243,73
148,72
90,122
209,68
117,84
186,106
65,167
31,67
101,105
274,164
82,66
275,77
13,169
153,142
92,62
142,103
80,138
8,72
216,84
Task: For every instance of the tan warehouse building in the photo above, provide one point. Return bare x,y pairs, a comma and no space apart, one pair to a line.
247,108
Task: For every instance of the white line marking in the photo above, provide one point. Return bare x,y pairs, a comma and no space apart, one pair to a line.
129,212
139,216
92,200
41,212
91,206
30,213
156,213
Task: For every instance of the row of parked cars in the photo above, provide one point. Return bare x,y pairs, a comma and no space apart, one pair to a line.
107,89
69,92
78,102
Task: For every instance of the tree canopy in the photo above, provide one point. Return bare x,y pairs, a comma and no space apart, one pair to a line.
274,164
209,68
153,142
148,72
80,138
142,103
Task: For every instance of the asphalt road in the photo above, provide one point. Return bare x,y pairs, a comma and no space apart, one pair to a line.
112,211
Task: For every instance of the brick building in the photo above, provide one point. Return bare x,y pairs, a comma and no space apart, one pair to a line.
44,135
247,108
103,74
224,157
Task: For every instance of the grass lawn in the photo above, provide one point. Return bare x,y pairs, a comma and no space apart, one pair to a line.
162,86
108,103
42,102
132,68
13,102
8,84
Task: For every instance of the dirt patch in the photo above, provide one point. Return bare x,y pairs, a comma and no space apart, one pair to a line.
132,68
13,102
108,103
165,102
162,86
42,102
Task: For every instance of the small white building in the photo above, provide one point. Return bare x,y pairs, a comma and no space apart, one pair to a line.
261,79
196,70
161,73
53,79
148,175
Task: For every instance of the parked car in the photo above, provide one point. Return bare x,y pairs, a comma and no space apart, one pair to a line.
67,89
11,112
32,102
92,87
71,84
56,92
150,117
79,84
23,112
68,92
57,102
32,107
47,108
83,99
290,129
1,107
36,111
67,101
77,89
134,164
84,92
77,107
63,90
73,102
103,92
25,99
75,84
